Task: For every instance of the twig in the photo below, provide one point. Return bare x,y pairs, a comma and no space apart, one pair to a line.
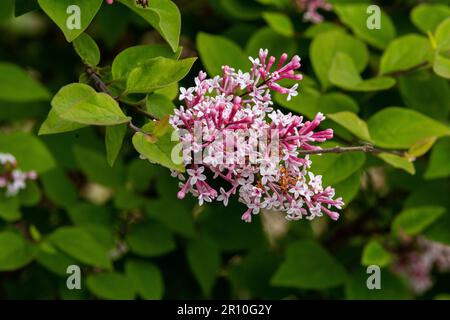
367,148
101,86
135,128
141,111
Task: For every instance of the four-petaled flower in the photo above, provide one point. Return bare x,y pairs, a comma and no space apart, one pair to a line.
196,175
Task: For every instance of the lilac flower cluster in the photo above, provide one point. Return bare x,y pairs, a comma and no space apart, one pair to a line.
238,106
417,260
12,178
311,7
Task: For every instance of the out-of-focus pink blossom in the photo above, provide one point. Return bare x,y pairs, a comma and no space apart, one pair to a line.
311,7
230,131
417,260
11,178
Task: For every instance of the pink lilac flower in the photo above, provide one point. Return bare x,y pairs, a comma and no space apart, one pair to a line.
311,7
11,178
418,259
229,131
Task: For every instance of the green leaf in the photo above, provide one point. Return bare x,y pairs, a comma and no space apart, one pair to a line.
252,273
174,214
113,140
326,45
163,15
415,220
426,93
158,148
87,49
405,53
441,65
243,10
6,10
53,259
87,214
159,105
81,245
336,102
343,73
17,86
30,152
146,279
126,199
355,16
150,240
133,57
392,287
349,187
279,22
306,102
204,259
269,39
429,193
352,123
421,147
15,252
94,165
140,174
58,187
31,195
308,266
13,111
217,51
111,285
157,73
375,254
171,91
439,165
375,84
396,127
9,208
426,17
219,224
55,124
80,103
65,15
309,102
316,29
442,35
439,230
398,162
337,166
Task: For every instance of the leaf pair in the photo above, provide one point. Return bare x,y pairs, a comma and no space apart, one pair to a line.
163,15
77,105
